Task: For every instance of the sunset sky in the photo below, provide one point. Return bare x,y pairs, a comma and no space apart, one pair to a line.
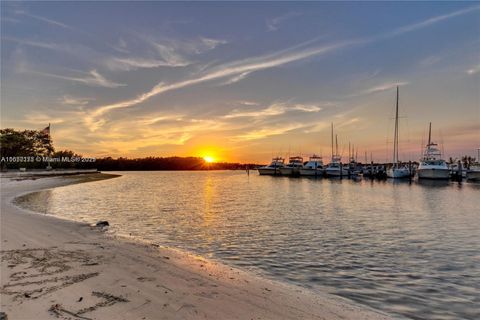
242,81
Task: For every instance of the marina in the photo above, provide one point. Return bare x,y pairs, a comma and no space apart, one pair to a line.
431,165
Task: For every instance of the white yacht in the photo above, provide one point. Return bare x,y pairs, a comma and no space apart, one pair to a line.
273,168
473,173
432,166
314,167
293,167
335,167
397,170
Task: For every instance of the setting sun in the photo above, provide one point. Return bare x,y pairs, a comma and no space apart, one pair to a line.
208,159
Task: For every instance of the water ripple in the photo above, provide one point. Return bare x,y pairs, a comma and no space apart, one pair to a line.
409,249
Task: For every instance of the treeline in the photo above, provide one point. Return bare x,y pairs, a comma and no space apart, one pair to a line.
69,160
25,143
33,149
161,163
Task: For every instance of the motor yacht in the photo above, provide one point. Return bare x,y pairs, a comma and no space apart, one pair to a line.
273,168
314,167
432,166
293,167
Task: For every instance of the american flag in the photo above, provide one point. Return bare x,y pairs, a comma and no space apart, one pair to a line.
46,130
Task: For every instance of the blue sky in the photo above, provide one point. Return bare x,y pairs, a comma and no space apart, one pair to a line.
242,81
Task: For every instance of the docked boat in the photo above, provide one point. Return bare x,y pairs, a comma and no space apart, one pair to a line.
293,167
397,170
314,167
273,168
368,170
473,173
432,166
335,167
353,166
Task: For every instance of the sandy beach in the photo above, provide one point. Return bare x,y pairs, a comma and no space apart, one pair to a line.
54,268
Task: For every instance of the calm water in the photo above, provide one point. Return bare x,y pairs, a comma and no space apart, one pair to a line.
407,249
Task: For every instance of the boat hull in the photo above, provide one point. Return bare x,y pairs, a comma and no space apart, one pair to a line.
440,174
473,175
311,172
289,171
336,172
398,173
269,171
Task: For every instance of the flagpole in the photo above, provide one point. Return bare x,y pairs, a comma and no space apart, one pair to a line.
49,152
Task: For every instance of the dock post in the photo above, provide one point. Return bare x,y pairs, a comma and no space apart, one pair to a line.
459,170
410,170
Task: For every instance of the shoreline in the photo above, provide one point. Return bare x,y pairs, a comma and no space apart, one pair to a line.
77,271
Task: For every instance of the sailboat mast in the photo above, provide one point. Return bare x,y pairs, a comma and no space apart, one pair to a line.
430,134
332,140
395,142
336,145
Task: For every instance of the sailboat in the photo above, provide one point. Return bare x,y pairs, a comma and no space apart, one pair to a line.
432,166
397,170
335,168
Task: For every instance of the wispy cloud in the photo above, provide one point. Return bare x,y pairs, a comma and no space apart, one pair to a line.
431,21
127,64
274,23
385,87
267,132
120,46
155,119
249,103
72,101
175,52
38,119
92,78
306,108
44,19
39,44
273,110
169,54
236,78
474,70
211,44
283,57
245,66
